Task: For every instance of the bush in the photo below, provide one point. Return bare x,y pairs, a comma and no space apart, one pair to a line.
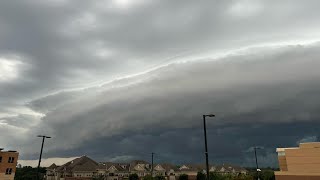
183,177
201,176
133,177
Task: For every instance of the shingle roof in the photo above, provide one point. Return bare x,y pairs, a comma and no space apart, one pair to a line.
168,166
145,165
79,164
118,166
52,166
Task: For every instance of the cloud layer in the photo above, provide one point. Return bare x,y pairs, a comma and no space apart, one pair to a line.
119,79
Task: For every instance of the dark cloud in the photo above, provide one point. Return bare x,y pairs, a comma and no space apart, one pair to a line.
67,70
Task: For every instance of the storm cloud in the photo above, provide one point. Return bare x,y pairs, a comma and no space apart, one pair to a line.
119,79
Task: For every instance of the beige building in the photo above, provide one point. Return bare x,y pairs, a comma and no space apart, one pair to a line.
8,163
299,163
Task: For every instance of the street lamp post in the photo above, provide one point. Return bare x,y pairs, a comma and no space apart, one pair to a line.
38,169
152,164
205,142
255,154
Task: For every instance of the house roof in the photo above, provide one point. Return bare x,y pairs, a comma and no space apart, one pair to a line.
79,164
52,166
144,165
168,166
118,166
193,167
229,168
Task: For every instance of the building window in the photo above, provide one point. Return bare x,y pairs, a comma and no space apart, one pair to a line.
11,159
0,159
8,170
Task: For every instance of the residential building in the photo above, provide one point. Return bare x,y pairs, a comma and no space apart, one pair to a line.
51,172
228,169
170,171
113,171
140,167
299,163
8,163
82,168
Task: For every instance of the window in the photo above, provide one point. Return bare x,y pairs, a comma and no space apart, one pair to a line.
8,170
11,159
0,159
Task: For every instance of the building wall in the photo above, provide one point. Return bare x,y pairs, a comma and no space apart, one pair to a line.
299,163
4,164
303,160
282,163
294,177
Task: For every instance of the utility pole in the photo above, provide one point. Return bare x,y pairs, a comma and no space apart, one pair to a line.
205,142
255,154
38,169
152,164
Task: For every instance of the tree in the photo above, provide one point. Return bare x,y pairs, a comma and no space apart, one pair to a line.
133,176
201,176
159,178
183,177
148,177
28,173
267,175
217,176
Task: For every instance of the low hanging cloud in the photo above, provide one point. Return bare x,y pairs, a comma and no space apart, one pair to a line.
267,87
119,79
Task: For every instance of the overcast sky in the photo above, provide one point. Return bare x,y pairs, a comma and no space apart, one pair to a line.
119,79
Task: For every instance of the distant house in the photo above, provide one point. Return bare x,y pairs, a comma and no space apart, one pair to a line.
159,170
228,169
113,171
140,167
82,168
51,172
170,171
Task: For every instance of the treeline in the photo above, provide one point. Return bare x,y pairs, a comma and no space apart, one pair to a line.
28,173
267,174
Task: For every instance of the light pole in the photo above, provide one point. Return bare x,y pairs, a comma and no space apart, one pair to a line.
205,142
43,137
255,154
152,164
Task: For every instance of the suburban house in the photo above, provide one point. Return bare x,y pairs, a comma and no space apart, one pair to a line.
165,169
84,168
228,169
51,171
140,167
113,171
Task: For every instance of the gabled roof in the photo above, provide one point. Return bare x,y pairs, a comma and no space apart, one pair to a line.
139,165
79,164
117,166
52,166
168,166
192,167
158,167
229,168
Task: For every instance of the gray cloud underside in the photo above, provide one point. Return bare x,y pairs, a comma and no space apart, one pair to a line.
62,46
252,89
